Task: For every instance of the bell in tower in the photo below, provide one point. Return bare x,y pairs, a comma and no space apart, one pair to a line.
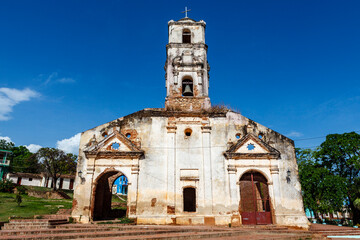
187,68
187,88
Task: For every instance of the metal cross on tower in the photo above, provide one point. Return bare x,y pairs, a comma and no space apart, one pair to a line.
186,11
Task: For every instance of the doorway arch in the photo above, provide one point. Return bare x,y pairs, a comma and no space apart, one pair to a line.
102,196
254,199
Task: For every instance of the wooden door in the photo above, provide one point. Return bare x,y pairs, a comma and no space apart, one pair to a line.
255,201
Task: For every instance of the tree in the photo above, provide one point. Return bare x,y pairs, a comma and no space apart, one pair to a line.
55,163
340,155
357,194
19,160
322,191
5,145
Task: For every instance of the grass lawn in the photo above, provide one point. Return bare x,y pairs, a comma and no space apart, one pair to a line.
118,200
30,206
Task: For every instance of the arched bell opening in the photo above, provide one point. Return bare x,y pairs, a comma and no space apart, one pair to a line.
186,36
106,204
254,199
187,87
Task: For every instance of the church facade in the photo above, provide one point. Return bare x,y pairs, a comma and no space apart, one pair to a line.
190,162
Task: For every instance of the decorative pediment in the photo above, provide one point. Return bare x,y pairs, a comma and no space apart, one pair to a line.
114,146
251,147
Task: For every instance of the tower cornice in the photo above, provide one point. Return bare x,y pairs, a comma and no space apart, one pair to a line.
186,45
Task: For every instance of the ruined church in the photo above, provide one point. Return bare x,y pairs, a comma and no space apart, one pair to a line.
189,162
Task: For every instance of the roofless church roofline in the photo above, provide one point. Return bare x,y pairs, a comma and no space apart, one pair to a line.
179,159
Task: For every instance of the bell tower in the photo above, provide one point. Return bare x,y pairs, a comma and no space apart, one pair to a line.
187,68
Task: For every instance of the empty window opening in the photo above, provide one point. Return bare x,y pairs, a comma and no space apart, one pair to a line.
105,134
115,146
260,136
128,135
187,87
186,36
189,199
238,136
251,147
188,132
30,179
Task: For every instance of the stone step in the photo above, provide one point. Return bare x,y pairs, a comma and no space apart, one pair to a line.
81,235
28,224
28,220
9,226
341,234
54,222
55,216
140,227
186,228
33,224
117,231
18,228
216,235
74,230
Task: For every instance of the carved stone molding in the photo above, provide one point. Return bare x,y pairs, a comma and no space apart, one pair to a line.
171,129
135,170
274,170
206,129
231,169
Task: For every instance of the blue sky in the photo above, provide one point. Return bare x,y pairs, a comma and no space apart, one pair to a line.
68,66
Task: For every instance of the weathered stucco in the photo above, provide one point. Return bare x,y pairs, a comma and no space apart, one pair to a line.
160,159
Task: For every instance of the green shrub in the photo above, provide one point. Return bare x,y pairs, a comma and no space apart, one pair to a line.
18,199
6,186
21,190
126,220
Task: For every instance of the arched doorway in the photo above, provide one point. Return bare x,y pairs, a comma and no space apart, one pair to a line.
255,200
104,199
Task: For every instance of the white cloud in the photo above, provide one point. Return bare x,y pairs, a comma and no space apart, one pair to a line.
294,134
66,80
9,97
54,77
70,145
33,147
6,139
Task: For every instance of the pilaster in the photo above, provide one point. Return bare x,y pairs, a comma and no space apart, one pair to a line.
171,169
207,169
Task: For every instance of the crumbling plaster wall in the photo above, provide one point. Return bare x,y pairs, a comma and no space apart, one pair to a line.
197,31
159,188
